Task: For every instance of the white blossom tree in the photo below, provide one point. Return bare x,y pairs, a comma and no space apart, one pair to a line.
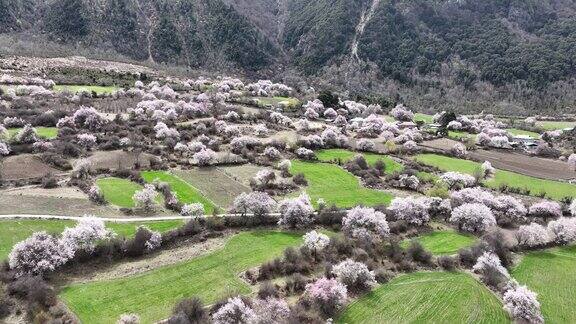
363,223
233,312
297,212
328,294
546,209
145,198
562,230
193,210
523,305
532,235
37,255
316,241
85,235
355,275
472,217
509,210
411,209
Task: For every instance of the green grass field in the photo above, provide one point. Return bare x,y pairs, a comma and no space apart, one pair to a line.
292,102
118,192
43,132
185,192
515,131
554,125
423,117
16,230
337,186
332,155
443,242
550,273
88,88
554,189
427,297
153,294
458,135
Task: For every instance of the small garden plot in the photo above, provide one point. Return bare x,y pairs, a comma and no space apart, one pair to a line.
555,125
214,183
337,186
152,295
185,192
443,242
86,88
553,189
550,274
517,132
427,297
119,192
43,132
344,156
16,230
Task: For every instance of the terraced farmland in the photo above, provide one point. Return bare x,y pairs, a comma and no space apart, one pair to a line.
443,242
153,294
550,274
553,189
337,186
427,297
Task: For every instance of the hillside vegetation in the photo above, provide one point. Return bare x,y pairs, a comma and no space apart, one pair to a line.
525,49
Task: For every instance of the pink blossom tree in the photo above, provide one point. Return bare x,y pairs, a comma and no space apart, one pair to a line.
490,268
328,294
355,275
572,161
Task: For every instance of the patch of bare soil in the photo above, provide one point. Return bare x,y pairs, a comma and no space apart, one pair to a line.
214,183
48,205
528,165
25,166
60,192
172,256
119,159
440,144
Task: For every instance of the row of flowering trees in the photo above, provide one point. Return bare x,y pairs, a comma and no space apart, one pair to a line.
43,253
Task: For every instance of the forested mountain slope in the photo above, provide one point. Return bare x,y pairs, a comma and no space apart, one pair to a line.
528,46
